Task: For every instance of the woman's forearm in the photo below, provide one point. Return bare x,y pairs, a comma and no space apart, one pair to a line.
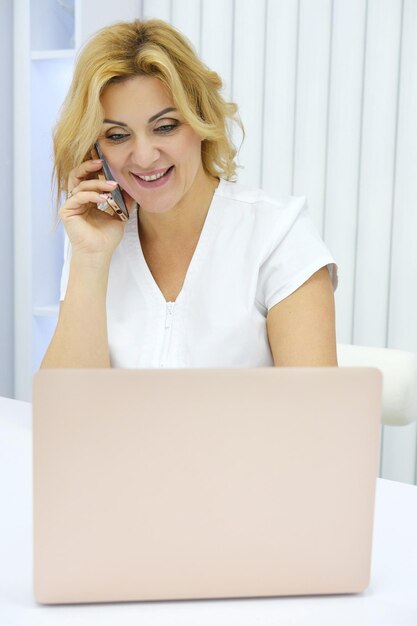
80,339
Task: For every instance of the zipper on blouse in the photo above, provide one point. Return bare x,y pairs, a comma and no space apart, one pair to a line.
167,333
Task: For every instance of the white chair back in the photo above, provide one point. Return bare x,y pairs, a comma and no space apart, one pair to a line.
399,369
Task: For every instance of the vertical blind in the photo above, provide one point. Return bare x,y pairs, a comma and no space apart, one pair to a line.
327,93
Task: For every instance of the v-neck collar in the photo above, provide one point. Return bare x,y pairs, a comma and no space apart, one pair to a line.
140,268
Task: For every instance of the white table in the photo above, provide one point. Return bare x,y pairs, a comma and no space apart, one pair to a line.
391,599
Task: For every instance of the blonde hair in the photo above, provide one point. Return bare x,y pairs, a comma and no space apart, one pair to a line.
150,48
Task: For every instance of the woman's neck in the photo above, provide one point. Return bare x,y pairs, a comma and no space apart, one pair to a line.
184,221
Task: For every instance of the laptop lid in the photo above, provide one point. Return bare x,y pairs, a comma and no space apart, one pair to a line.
203,483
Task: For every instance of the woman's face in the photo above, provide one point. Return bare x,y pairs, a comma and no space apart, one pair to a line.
144,135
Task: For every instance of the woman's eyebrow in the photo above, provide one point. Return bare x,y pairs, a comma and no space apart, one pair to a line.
151,119
106,121
167,110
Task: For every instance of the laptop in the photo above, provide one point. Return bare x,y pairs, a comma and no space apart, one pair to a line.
170,484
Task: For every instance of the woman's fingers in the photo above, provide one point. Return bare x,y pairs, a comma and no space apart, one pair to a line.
85,190
90,229
94,185
79,202
81,172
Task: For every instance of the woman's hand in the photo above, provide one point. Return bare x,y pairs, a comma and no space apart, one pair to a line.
93,233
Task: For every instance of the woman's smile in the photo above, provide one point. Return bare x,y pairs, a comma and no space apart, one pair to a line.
155,179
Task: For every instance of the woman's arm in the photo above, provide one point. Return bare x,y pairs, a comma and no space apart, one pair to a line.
301,328
80,338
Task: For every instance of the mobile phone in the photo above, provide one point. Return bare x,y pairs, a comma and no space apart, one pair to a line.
115,205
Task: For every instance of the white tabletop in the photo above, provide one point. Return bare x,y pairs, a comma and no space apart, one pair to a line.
391,598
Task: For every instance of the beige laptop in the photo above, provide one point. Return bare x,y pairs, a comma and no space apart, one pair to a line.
203,483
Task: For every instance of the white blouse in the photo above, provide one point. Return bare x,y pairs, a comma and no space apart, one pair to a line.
253,252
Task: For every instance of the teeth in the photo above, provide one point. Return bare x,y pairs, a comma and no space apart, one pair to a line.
153,177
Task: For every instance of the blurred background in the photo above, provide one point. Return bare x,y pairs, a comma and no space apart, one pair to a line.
327,92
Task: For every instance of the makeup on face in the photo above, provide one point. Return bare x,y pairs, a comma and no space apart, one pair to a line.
153,156
150,120
156,177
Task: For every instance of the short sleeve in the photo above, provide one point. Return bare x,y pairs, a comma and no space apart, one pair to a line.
295,255
65,267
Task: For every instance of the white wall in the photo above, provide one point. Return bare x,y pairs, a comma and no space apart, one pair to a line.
6,205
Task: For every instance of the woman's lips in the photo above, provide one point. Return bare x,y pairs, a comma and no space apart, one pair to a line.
159,182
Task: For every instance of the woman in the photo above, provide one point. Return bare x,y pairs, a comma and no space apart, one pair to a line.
206,272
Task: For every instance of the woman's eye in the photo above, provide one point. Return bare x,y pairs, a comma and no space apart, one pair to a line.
115,137
166,128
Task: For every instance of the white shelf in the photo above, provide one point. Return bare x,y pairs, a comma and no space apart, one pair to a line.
52,24
47,36
52,54
50,80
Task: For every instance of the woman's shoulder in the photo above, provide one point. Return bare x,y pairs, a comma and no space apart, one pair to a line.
256,200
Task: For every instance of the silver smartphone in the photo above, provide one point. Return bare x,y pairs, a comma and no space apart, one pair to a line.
115,205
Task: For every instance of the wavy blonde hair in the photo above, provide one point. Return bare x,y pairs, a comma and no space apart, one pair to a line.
151,48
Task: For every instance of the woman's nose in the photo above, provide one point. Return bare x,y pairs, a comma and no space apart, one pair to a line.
145,152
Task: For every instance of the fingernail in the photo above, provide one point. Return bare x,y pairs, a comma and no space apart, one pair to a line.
104,196
96,161
111,183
